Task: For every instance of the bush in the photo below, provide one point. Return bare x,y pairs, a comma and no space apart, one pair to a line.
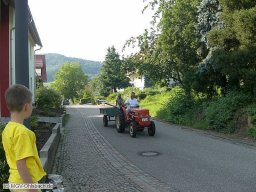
252,132
170,105
4,168
142,96
112,98
48,113
33,122
251,110
157,104
47,98
86,100
97,99
179,105
195,110
220,113
128,90
47,126
150,91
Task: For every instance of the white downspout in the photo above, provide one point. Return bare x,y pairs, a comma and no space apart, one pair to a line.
11,64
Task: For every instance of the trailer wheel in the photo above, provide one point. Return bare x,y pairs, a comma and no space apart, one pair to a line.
133,129
152,129
105,120
120,122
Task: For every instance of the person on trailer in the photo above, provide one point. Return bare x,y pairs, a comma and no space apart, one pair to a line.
119,101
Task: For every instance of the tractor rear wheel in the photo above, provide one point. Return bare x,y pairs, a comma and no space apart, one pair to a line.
133,129
152,129
120,122
105,120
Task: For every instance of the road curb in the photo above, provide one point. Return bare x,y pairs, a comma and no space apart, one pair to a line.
212,134
52,119
48,152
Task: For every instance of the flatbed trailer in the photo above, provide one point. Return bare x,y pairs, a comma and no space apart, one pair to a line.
109,113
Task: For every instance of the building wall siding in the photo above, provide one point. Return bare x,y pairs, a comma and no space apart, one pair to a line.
4,56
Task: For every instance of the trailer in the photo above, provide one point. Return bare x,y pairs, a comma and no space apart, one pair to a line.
109,113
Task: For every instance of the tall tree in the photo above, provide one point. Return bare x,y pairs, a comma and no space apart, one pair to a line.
235,44
169,50
208,78
70,80
113,74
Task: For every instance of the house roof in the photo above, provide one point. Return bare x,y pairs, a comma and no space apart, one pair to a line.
40,63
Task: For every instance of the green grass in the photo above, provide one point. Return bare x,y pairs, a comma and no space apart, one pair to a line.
156,103
217,114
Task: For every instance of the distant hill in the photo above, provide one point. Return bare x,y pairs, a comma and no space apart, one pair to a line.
54,62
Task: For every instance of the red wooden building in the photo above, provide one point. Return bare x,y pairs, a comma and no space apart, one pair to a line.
17,60
41,68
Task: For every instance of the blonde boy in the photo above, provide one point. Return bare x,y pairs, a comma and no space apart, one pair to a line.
19,142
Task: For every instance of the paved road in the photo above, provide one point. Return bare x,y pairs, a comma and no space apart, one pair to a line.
88,162
188,161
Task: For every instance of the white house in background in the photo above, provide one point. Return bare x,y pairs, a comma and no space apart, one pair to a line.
137,80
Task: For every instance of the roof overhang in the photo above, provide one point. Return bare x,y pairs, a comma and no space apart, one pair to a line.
31,24
33,30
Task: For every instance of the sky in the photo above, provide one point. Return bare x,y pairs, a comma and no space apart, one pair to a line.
86,28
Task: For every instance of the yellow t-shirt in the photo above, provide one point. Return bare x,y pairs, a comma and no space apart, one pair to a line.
19,142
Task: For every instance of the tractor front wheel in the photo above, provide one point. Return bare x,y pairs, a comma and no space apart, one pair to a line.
133,129
105,120
152,129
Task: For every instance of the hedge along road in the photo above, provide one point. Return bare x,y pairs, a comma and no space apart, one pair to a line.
186,160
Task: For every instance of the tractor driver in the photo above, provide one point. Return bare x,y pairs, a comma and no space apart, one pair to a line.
131,102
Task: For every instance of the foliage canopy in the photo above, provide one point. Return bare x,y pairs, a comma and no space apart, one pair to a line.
70,80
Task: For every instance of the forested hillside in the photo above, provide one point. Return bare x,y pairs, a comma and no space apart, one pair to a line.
54,62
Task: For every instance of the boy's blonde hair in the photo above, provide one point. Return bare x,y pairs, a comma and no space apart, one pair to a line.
17,96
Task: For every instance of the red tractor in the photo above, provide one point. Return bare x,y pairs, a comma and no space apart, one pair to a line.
136,119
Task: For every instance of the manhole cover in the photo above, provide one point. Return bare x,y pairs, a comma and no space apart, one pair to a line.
149,153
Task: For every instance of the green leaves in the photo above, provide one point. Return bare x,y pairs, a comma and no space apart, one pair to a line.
113,74
4,168
205,45
169,52
231,40
244,25
47,98
219,114
70,80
